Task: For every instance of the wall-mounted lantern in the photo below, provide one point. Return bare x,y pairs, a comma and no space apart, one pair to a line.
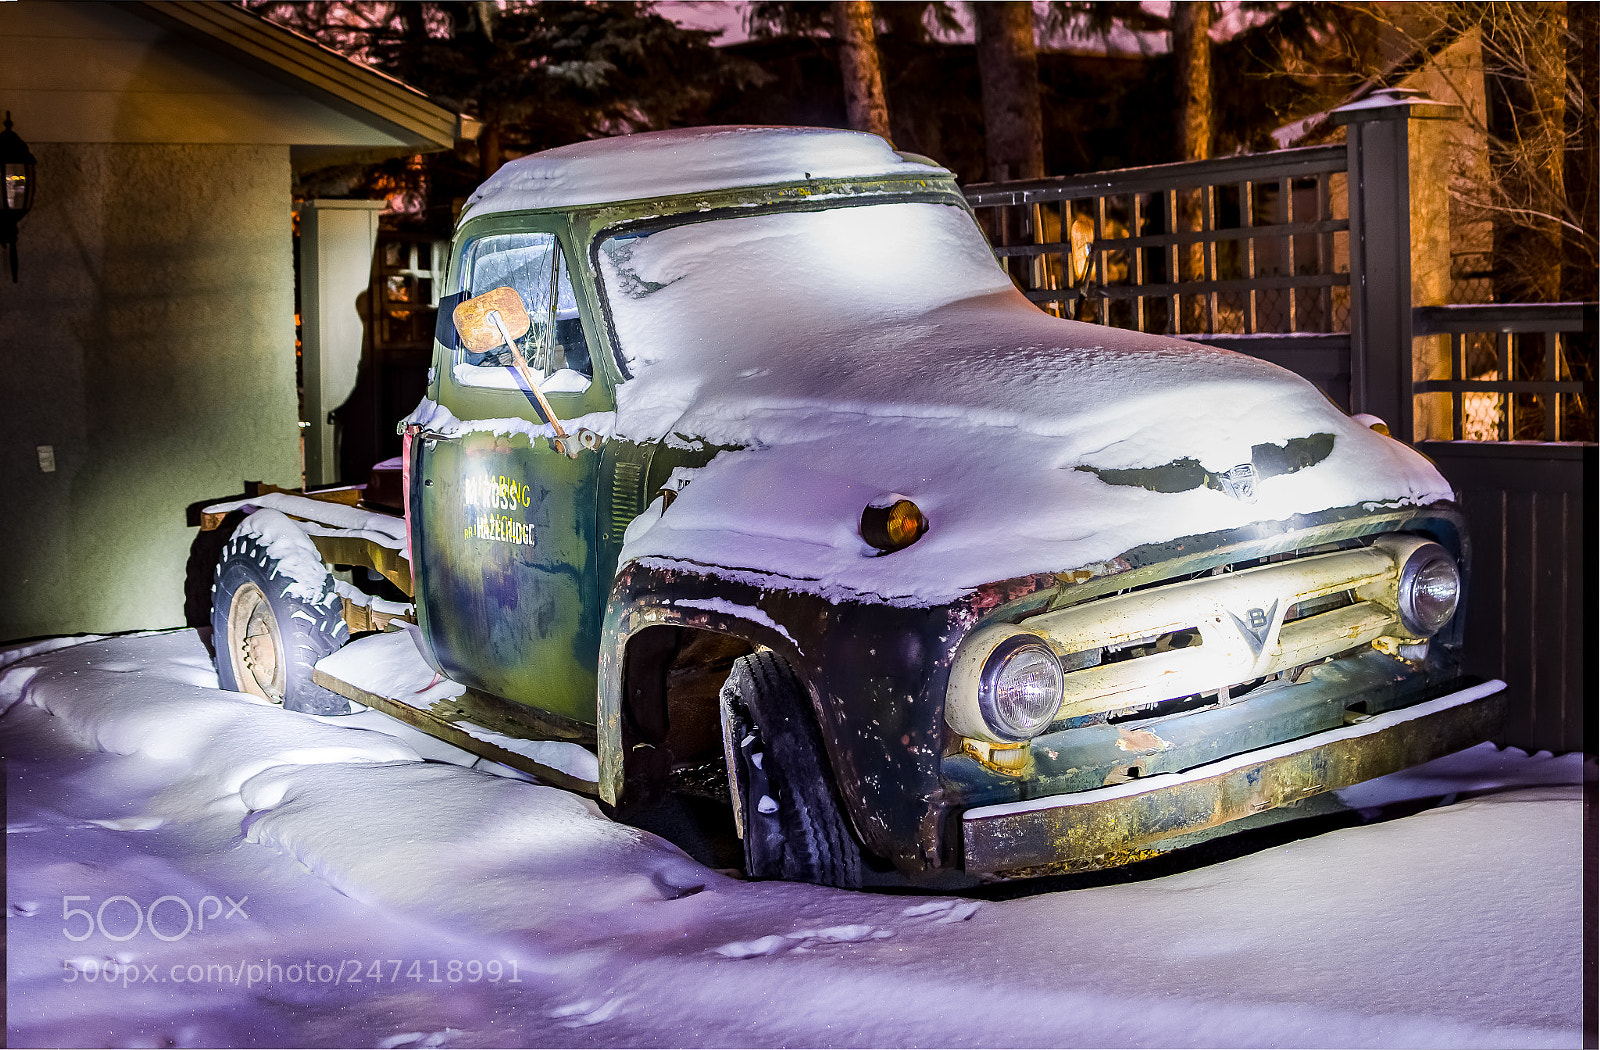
16,188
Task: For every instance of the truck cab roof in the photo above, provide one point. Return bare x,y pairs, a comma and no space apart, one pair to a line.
688,160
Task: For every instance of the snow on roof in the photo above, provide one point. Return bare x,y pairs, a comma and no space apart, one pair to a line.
686,160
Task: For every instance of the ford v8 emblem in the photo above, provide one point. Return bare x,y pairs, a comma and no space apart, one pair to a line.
1240,482
1255,625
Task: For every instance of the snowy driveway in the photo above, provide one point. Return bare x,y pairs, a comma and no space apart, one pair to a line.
188,867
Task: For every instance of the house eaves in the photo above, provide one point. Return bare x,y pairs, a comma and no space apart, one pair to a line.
358,90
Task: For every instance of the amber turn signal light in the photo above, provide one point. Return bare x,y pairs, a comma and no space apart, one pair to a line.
894,526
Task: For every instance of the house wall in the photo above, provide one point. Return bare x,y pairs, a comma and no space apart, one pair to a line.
150,339
149,342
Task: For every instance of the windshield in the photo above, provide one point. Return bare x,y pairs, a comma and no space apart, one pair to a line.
532,265
795,287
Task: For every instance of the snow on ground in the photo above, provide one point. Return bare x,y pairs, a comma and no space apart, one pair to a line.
309,881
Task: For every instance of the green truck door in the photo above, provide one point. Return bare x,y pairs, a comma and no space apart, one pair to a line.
507,593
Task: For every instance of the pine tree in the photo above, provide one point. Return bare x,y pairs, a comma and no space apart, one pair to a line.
536,75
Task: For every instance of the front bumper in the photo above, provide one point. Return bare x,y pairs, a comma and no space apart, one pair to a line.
1109,826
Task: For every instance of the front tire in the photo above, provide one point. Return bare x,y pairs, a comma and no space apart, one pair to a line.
793,826
268,636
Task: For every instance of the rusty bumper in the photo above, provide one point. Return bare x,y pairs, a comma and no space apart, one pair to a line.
1109,826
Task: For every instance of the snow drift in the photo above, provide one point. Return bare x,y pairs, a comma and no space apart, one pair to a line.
130,774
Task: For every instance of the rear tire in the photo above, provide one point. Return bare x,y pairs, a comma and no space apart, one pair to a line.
793,825
268,639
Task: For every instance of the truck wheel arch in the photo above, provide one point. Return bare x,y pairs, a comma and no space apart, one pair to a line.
666,683
674,668
655,654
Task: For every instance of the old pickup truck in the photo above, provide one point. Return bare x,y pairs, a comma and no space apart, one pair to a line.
743,464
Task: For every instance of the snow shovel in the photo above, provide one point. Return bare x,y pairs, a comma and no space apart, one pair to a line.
498,318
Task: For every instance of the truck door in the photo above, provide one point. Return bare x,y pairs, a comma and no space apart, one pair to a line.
504,525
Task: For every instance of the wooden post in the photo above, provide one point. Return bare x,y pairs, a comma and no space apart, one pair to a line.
1399,255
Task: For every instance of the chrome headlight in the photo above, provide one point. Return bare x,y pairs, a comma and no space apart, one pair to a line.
1020,688
1430,588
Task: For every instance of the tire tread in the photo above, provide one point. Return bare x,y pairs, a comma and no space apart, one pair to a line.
818,845
306,638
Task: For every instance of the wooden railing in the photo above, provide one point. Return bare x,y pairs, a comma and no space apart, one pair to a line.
1242,245
1517,371
1309,258
1249,253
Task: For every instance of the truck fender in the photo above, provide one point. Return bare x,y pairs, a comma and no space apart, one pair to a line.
644,598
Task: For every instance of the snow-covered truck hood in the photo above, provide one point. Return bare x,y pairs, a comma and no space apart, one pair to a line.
898,358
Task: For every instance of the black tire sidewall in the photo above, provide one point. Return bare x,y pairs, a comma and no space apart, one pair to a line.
318,630
808,838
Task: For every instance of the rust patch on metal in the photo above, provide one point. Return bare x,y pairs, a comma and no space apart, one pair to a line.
1123,774
995,595
1115,859
1009,760
1090,572
476,326
1140,740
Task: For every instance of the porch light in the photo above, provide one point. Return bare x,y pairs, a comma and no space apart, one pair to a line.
16,188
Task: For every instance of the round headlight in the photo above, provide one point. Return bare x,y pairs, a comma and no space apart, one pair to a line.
1430,587
892,524
1020,690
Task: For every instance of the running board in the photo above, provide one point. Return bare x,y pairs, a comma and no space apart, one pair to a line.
369,668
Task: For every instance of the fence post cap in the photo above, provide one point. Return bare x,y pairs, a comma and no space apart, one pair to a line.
1395,104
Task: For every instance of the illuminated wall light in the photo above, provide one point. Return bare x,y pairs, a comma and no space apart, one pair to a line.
16,188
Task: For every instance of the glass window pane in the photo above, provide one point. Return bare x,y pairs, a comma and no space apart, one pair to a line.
513,260
554,347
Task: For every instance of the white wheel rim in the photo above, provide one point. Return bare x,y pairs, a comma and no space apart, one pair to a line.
255,648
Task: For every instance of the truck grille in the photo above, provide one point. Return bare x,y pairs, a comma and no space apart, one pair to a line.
1178,640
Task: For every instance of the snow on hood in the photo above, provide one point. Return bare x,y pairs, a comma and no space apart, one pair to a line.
856,352
685,160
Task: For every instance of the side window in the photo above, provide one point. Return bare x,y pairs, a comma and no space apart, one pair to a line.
555,347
